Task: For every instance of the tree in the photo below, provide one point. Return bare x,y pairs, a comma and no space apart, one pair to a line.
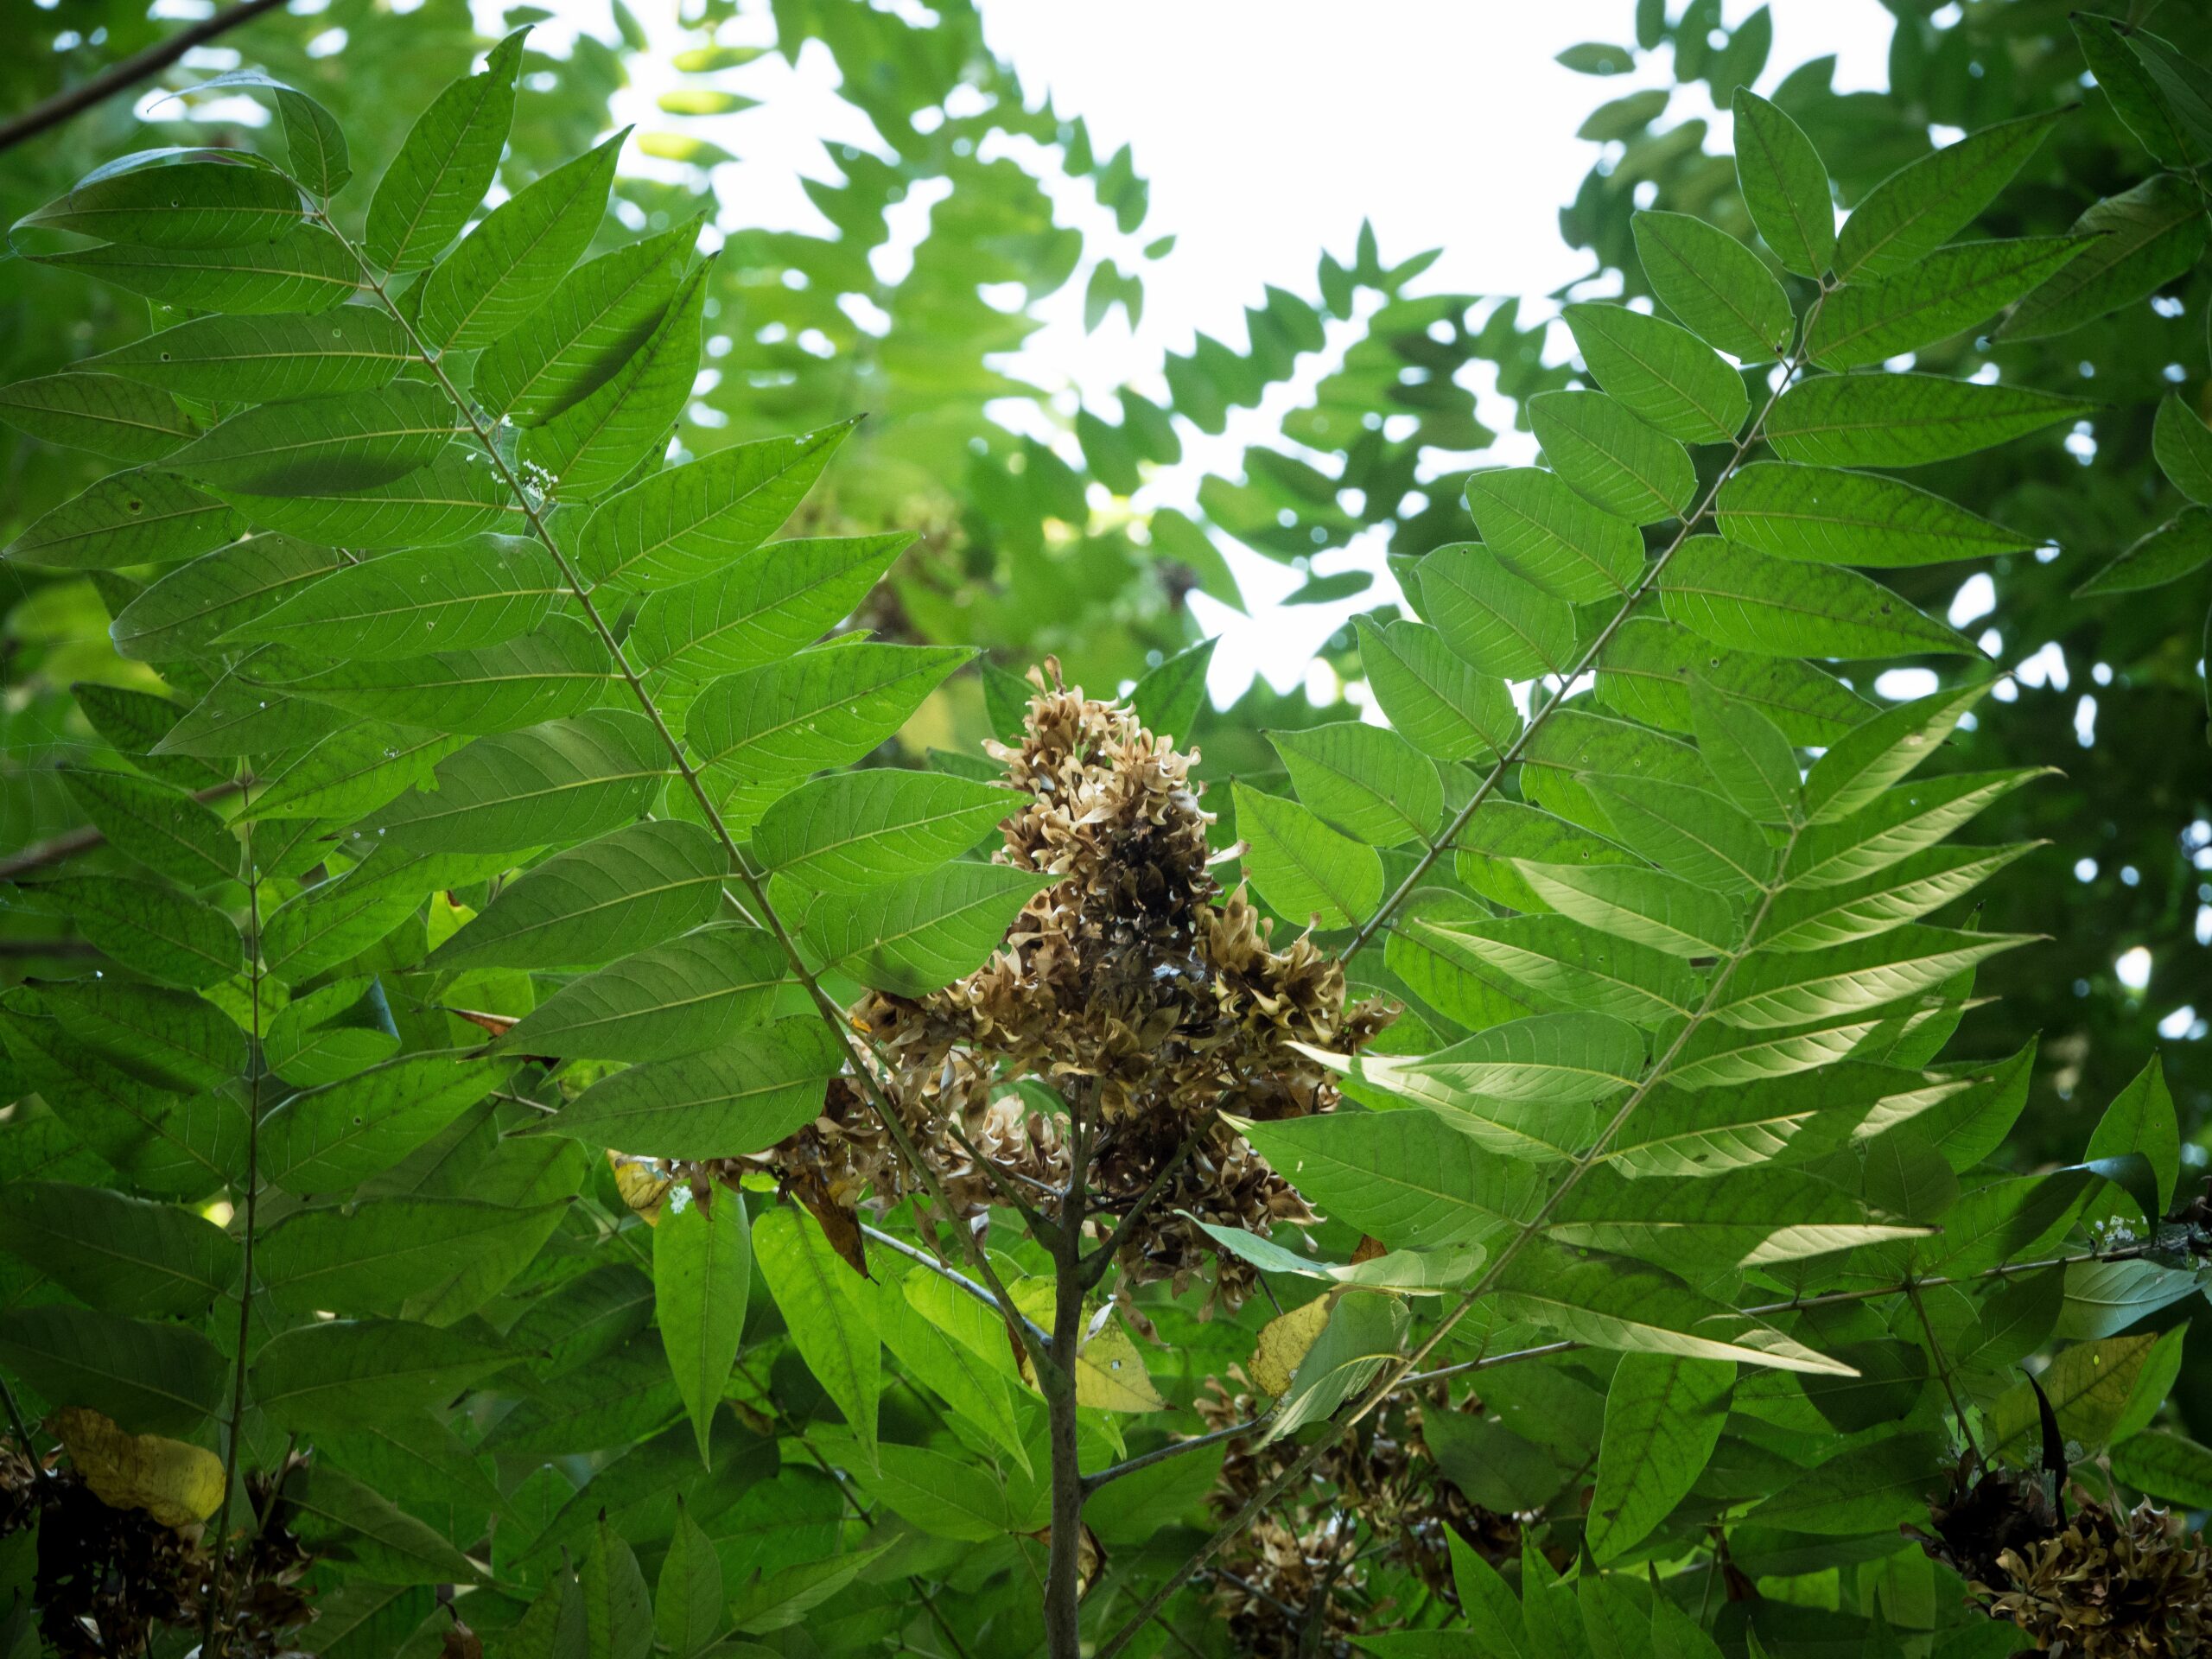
567,1115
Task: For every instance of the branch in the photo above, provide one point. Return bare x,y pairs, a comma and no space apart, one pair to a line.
1443,844
38,856
1161,1454
755,887
1095,1264
951,1276
1395,1373
130,72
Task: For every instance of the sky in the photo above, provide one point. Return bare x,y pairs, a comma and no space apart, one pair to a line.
1267,129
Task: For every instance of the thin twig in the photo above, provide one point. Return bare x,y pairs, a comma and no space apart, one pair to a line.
1095,1264
950,1275
68,845
110,81
1397,1372
1173,1449
755,888
23,1431
218,1609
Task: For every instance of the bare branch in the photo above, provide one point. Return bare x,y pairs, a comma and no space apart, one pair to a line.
110,81
1161,1454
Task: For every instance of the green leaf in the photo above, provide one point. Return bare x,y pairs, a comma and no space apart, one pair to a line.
1644,907
1815,918
350,772
940,1495
2088,1386
695,992
336,1376
2141,1119
349,1522
1596,58
181,204
1411,1273
1365,780
1365,1332
104,413
161,827
703,1264
688,1608
1170,698
615,1401
445,164
827,708
1951,290
485,591
1715,284
760,608
1823,515
1772,989
2165,1465
1407,1177
559,671
1679,1133
315,143
1613,1303
2177,549
323,444
726,1101
1690,831
1882,751
1747,754
692,521
1303,868
2108,44
384,1254
172,1038
1923,205
1492,619
268,359
2134,244
1665,374
1737,596
597,442
1663,1416
1744,1217
1906,420
1904,821
121,1254
1784,185
856,830
1867,1487
135,518
1612,458
182,612
918,934
305,270
523,247
1568,966
563,781
1444,706
162,933
2182,446
591,323
328,1139
151,1378
456,495
1546,534
641,884
320,927
1504,832
827,1325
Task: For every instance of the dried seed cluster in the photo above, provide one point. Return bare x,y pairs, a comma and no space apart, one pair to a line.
114,1580
1127,989
2096,1586
1376,1497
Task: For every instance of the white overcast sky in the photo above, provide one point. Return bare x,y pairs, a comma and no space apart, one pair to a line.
1267,129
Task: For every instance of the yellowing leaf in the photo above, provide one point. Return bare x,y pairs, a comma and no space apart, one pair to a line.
176,1484
1283,1342
642,1183
1110,1374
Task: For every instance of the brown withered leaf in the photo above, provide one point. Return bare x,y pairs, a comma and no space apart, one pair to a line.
839,1225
